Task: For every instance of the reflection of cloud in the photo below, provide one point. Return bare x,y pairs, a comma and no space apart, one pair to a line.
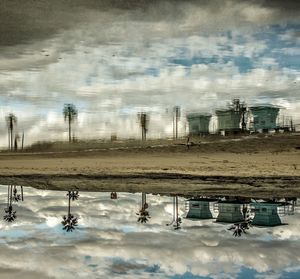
109,241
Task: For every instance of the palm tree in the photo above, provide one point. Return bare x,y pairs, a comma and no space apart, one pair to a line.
143,212
10,214
144,121
11,121
69,222
70,113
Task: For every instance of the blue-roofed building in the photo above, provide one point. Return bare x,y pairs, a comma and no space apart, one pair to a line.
198,123
264,117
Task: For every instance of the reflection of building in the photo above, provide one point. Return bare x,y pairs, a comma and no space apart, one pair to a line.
230,212
198,123
200,209
268,213
264,117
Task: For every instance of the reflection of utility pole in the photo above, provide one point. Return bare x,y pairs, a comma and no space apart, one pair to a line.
176,219
176,117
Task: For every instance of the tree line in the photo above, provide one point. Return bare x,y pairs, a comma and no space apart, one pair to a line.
70,113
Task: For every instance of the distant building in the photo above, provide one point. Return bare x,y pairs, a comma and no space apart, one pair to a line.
229,121
232,120
199,209
198,123
230,212
264,117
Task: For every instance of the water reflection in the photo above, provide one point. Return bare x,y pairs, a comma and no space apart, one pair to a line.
108,241
143,214
113,195
12,196
176,221
242,212
69,221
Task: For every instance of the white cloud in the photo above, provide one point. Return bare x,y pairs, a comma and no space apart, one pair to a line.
112,66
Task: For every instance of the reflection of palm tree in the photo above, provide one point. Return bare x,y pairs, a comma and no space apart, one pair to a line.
74,195
10,214
143,213
176,219
11,121
113,195
69,222
16,196
70,113
239,228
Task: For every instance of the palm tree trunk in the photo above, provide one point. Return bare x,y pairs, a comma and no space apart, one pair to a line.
143,199
176,202
11,139
174,208
69,118
8,192
69,208
10,200
8,138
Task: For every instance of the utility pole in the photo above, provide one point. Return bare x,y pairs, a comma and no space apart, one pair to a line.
143,120
243,111
8,138
176,117
22,140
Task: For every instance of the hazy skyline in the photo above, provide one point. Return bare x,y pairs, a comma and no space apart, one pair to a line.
113,59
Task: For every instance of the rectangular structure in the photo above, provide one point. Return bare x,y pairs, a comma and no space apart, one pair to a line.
229,120
198,123
264,117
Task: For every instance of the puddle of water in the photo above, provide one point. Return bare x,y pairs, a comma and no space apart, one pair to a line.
122,235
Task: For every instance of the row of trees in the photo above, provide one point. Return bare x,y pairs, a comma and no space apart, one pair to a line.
11,121
70,114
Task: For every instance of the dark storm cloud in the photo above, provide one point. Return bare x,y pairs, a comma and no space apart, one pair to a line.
25,21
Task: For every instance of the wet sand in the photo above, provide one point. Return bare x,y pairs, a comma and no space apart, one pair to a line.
231,167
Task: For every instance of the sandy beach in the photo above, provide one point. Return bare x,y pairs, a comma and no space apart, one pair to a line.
257,166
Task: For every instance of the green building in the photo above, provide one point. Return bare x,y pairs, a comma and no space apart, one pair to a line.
230,212
199,209
266,214
198,123
264,117
229,120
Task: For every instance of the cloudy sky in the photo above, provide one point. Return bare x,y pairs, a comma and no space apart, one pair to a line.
109,243
113,59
